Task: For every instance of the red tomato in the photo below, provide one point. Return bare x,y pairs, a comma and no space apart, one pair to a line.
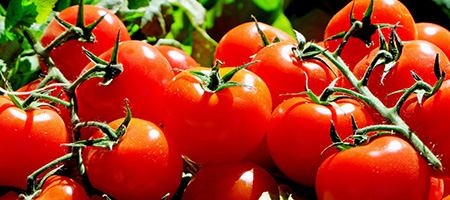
28,140
435,34
177,58
299,130
143,165
436,189
143,82
238,45
384,12
284,73
228,181
217,127
430,124
417,56
69,57
386,168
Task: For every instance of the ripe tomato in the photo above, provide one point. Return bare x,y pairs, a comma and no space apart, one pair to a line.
177,58
436,189
69,57
435,34
428,121
299,130
384,12
230,181
145,164
417,56
143,82
284,73
28,140
217,127
238,45
386,168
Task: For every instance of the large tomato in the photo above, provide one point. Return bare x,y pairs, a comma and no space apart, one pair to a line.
418,56
428,121
226,181
238,45
217,127
145,164
143,81
177,58
435,34
284,73
69,57
384,12
386,168
28,140
299,130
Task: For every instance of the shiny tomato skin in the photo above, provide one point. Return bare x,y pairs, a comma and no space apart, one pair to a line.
28,140
239,44
228,181
384,11
61,187
217,127
428,122
284,73
105,36
177,58
417,56
299,130
145,164
386,168
435,34
143,82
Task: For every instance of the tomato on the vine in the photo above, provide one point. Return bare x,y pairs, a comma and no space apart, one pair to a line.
28,140
299,130
226,181
69,57
386,168
238,45
384,12
435,34
217,127
143,81
177,58
145,164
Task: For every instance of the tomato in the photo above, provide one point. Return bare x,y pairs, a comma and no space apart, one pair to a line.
436,189
429,122
69,57
384,12
177,58
239,180
238,45
299,130
284,73
145,164
217,127
417,56
143,82
386,168
29,140
435,34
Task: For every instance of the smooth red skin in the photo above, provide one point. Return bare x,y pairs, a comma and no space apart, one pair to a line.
217,127
430,123
69,57
417,56
386,168
177,58
435,34
436,189
143,82
144,165
384,11
299,130
227,181
238,45
284,73
28,141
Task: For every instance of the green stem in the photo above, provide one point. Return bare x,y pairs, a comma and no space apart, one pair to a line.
382,54
107,130
355,26
417,86
58,40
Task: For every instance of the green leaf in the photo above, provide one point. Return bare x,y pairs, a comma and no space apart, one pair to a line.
195,10
44,8
112,5
157,19
20,13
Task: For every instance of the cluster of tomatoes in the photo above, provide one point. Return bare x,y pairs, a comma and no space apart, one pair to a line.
122,119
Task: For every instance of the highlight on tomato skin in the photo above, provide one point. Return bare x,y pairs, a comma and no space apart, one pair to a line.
435,34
